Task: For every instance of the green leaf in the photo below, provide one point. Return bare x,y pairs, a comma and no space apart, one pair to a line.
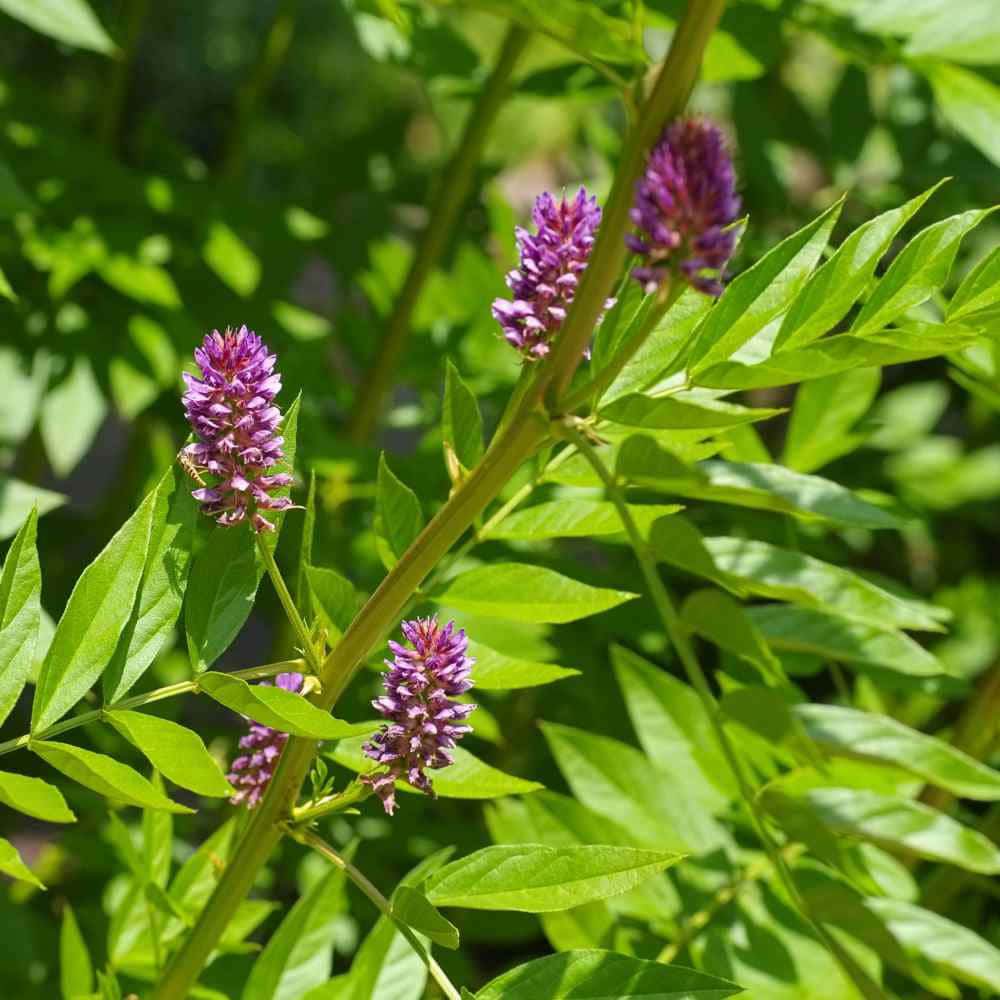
526,593
398,518
12,865
198,876
903,825
140,280
494,671
767,712
677,542
761,293
793,576
96,614
717,617
865,735
233,262
604,975
825,410
336,599
5,290
970,104
844,352
618,782
164,580
302,592
69,21
811,630
104,775
979,290
921,268
643,460
669,413
220,593
764,486
273,706
177,753
672,725
533,878
416,911
20,613
467,778
571,517
18,501
70,416
157,841
840,282
957,950
34,797
298,956
76,971
461,423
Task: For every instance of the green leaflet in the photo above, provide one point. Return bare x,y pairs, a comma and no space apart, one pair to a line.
273,706
69,21
177,753
233,262
969,102
671,413
416,911
104,775
603,975
96,614
76,971
534,878
34,797
12,865
335,598
398,517
979,290
70,416
571,517
20,613
526,593
19,499
467,778
761,293
495,671
461,423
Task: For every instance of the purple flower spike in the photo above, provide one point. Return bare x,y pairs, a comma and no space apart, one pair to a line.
551,262
231,410
685,205
251,772
424,723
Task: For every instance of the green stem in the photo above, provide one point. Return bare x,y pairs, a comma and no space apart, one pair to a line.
269,60
137,701
288,603
679,639
309,812
118,85
358,877
450,195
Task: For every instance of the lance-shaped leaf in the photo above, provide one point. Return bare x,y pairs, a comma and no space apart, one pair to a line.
20,613
177,753
969,102
96,613
34,797
231,259
12,865
494,671
761,293
467,778
526,593
273,706
69,21
956,950
461,423
534,878
76,971
335,598
604,975
398,518
669,413
576,518
921,268
979,290
853,733
900,824
299,956
104,775
161,591
810,630
71,414
19,499
416,911
841,280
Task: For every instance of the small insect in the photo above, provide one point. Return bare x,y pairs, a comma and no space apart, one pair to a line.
189,467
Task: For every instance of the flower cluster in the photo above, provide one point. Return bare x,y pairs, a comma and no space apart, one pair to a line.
424,722
251,772
685,207
551,261
231,410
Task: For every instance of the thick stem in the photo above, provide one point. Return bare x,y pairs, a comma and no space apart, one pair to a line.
383,905
452,190
679,639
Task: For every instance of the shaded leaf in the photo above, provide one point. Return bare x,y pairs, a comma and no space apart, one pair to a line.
70,416
18,499
461,423
416,911
575,518
398,518
76,971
